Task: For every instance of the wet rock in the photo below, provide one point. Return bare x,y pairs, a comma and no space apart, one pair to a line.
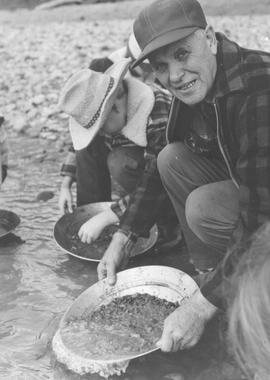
33,132
39,58
60,145
38,99
19,124
51,137
10,239
45,196
173,376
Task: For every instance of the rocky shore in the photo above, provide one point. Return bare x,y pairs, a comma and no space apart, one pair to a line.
37,59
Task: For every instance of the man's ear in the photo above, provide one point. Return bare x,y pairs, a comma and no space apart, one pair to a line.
211,39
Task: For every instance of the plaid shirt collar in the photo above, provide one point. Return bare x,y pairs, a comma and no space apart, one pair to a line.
228,76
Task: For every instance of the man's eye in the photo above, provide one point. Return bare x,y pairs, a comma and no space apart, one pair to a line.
160,67
180,54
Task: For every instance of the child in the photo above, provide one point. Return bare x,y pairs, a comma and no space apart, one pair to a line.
3,151
81,175
249,314
121,122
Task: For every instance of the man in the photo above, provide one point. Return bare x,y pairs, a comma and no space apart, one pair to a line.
216,167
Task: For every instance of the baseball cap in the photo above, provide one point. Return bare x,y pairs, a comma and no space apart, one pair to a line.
164,22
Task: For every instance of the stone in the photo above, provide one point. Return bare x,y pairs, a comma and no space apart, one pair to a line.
38,99
19,124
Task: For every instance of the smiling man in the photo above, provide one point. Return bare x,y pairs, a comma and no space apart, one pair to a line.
216,166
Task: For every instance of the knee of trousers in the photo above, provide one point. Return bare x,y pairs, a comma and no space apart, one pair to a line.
173,156
198,208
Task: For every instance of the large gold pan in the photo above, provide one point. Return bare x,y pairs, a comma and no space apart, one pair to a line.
160,281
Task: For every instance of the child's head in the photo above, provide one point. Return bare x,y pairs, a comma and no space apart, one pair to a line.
117,117
96,102
249,313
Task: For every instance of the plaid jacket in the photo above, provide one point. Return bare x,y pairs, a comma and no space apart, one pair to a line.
241,104
137,211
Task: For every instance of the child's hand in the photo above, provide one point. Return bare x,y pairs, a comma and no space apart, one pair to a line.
91,229
65,200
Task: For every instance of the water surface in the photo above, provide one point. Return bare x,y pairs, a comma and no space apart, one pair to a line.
38,282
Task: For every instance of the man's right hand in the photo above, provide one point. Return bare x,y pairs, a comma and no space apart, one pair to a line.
184,326
115,257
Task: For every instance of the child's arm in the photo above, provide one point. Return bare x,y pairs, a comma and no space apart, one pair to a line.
4,148
65,201
68,171
91,229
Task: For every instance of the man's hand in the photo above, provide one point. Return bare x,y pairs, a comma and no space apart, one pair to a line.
115,257
91,229
65,201
184,327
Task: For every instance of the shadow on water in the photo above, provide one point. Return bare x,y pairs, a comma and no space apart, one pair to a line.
38,282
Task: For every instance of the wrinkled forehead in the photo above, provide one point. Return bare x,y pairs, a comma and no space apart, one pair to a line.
168,51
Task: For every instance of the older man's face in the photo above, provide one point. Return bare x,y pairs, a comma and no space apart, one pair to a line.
187,68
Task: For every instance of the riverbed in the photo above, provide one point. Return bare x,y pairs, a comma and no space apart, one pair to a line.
38,281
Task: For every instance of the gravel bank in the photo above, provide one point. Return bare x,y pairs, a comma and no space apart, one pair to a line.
37,59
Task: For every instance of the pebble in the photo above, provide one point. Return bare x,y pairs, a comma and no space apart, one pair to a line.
45,196
19,124
173,376
39,58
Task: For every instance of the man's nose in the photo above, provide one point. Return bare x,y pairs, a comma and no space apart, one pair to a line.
176,72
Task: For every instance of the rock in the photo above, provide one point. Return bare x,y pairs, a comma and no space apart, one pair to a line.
19,124
33,132
32,113
37,100
52,137
57,3
45,196
173,376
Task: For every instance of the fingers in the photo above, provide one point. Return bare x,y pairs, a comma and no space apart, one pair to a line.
101,270
108,270
173,341
84,236
111,273
68,206
166,343
62,205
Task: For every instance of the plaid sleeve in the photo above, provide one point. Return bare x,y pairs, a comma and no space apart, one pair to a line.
253,165
139,213
69,166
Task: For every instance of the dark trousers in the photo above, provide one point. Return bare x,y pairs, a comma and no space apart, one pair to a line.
102,173
205,200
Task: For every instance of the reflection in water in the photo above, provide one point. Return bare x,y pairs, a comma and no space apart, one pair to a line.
38,282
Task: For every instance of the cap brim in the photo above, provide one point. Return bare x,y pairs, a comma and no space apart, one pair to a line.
161,41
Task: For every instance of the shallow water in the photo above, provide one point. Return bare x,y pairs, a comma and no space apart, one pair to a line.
38,282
